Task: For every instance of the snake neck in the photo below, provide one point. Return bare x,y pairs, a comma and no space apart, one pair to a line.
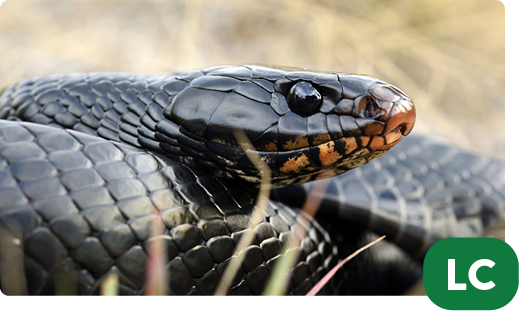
119,107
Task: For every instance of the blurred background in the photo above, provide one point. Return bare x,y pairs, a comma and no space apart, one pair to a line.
448,56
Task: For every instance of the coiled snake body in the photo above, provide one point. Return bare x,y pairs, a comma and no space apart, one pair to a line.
87,161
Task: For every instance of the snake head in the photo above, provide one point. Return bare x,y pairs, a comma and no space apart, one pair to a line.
304,125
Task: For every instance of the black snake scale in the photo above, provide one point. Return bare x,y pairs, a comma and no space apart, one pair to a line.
76,205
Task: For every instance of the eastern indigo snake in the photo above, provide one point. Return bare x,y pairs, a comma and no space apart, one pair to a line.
86,161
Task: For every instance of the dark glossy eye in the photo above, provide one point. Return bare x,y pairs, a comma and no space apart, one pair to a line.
304,99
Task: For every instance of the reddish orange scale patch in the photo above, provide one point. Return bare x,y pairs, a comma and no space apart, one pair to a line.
269,147
295,164
365,140
319,139
297,143
327,154
349,144
376,143
392,137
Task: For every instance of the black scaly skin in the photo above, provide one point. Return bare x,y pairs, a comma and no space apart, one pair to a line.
80,207
92,236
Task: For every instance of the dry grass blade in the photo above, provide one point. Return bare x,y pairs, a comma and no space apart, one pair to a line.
156,271
332,272
279,281
260,207
110,286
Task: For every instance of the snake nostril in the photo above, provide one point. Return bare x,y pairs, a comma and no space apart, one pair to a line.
400,129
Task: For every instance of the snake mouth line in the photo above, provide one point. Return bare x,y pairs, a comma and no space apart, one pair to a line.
335,156
346,153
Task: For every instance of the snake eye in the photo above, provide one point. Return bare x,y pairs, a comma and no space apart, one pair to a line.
304,99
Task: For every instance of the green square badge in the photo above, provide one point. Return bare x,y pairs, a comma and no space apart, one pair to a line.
471,273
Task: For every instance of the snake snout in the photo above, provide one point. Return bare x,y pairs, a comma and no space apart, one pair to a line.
403,116
385,104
